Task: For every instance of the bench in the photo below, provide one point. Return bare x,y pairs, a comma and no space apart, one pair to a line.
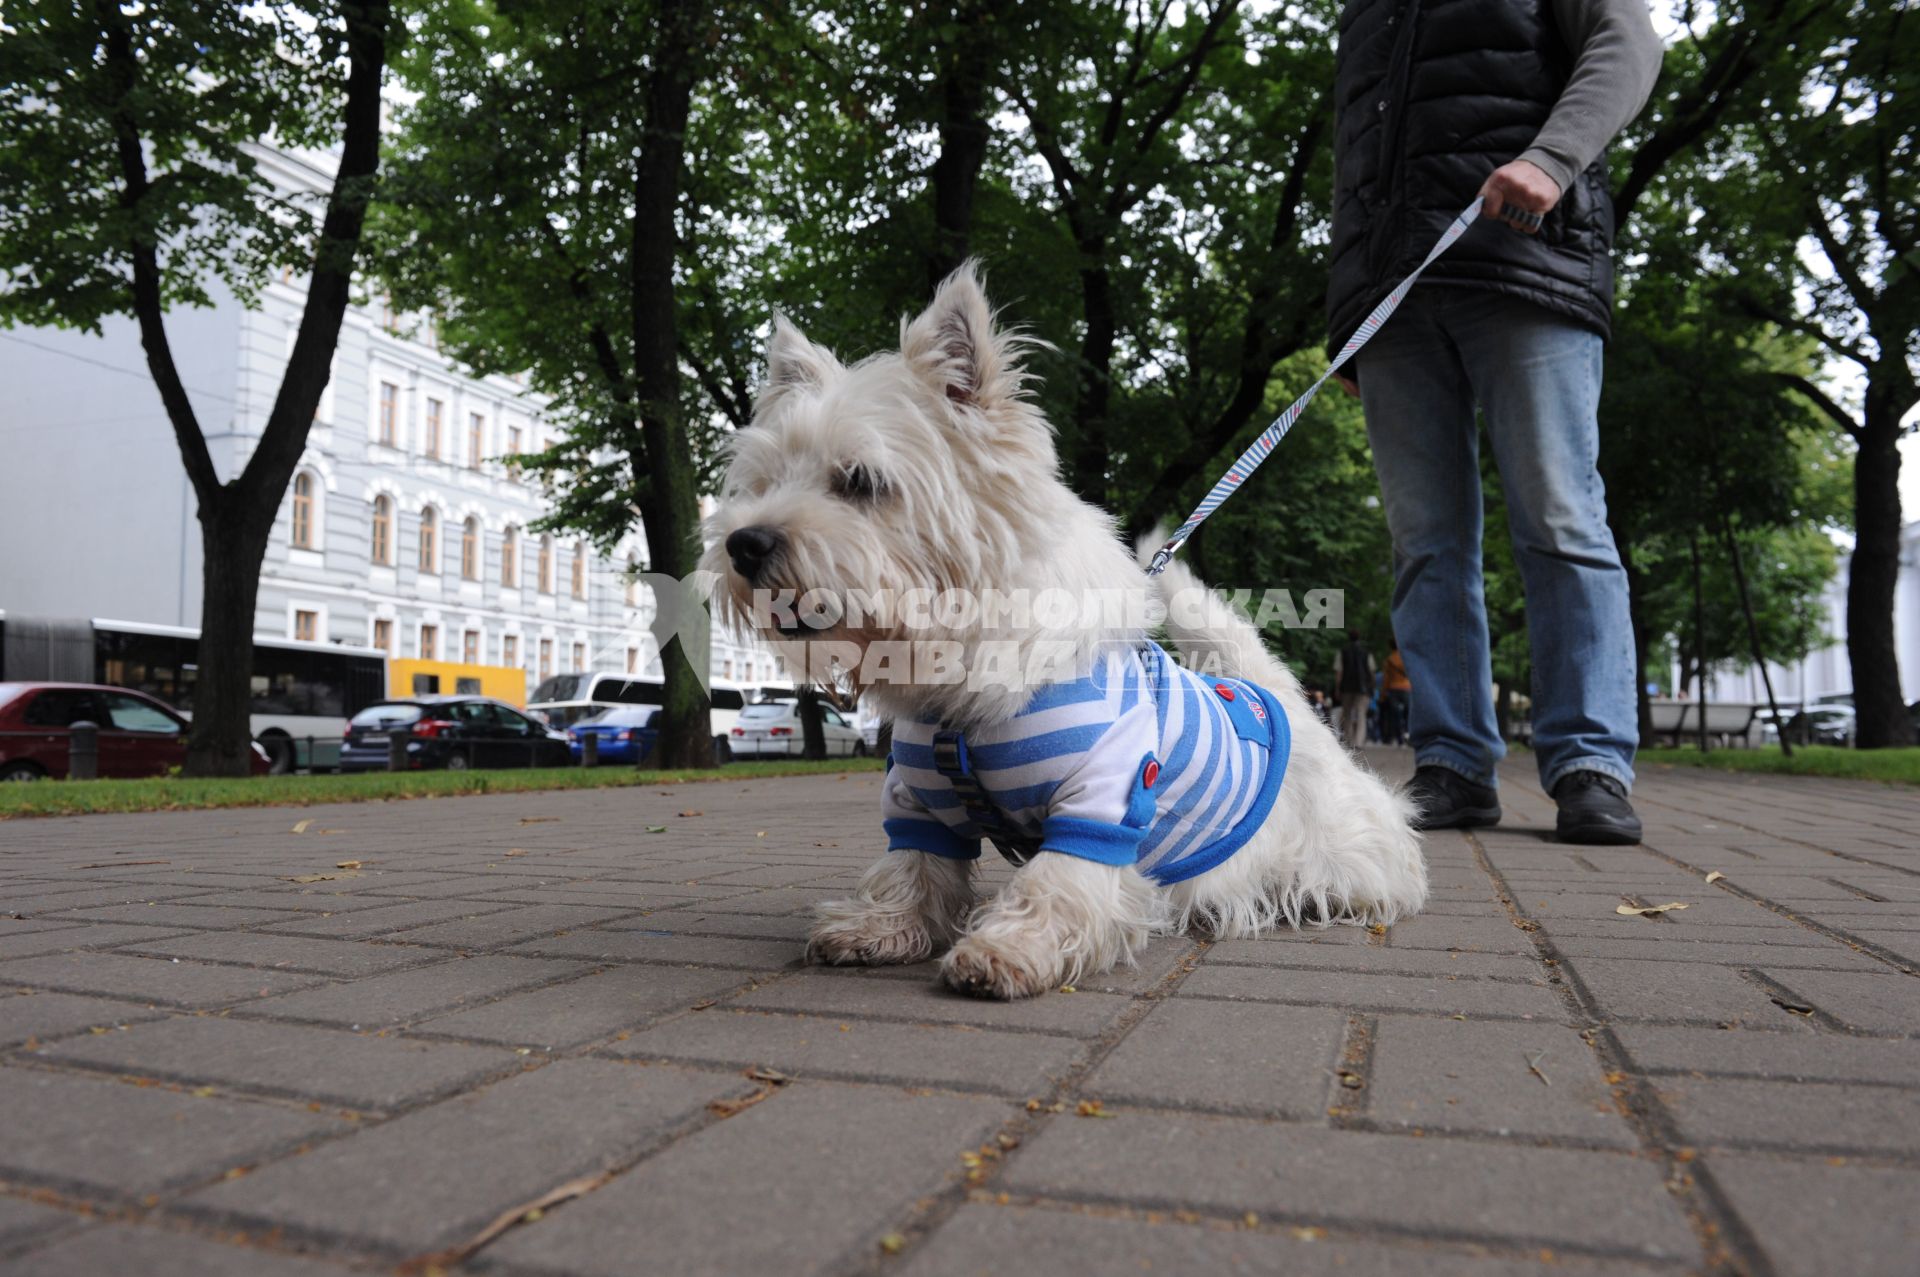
1727,722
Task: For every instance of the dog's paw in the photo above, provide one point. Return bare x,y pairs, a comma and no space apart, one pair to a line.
849,936
984,969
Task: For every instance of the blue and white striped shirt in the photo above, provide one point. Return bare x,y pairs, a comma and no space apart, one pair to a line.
1138,762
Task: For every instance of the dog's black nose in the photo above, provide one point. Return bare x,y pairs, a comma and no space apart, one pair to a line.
750,548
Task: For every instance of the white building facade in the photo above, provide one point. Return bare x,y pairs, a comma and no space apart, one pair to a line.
406,527
1827,671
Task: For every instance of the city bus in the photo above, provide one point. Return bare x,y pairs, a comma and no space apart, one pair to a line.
408,676
303,693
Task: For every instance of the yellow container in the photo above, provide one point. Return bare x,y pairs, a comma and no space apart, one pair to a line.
449,678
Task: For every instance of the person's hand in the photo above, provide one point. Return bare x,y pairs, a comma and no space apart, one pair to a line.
1519,194
1348,384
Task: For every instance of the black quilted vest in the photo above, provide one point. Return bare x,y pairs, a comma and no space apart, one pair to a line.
1432,96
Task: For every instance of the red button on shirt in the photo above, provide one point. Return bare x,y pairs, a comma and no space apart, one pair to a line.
1149,774
1226,693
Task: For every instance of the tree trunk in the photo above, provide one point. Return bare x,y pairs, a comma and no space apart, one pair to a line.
813,730
1095,391
968,65
1880,713
1753,630
1700,640
670,511
232,545
1643,703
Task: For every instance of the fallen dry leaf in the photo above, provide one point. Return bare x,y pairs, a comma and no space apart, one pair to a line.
346,864
1648,911
303,826
728,1108
693,812
1091,1108
315,877
524,1213
702,1005
539,820
762,1073
516,851
656,829
893,1243
1791,1007
1715,876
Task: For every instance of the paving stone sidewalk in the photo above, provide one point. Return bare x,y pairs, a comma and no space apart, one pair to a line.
223,1053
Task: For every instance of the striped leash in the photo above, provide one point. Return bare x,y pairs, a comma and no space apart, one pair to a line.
1262,447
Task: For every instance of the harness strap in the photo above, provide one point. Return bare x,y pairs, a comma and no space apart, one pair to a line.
950,759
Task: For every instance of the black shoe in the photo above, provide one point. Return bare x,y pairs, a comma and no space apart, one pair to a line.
1594,809
1444,799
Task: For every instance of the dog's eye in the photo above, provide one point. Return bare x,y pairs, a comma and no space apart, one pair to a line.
857,483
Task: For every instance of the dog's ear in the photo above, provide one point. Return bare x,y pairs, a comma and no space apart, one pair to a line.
953,345
794,362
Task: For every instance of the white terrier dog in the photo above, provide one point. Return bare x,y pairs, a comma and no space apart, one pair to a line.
1140,796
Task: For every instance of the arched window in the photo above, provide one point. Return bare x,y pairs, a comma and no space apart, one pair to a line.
546,564
470,549
303,512
430,541
579,569
510,560
383,530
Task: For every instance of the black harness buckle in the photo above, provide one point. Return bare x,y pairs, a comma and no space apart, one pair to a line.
951,760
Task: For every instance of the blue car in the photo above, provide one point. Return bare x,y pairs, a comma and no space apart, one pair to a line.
626,733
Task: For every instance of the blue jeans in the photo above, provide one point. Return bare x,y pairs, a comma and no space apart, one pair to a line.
1536,377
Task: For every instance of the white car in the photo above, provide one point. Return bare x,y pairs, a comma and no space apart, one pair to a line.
772,730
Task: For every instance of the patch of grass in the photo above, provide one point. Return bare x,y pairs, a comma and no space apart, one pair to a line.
1893,766
81,797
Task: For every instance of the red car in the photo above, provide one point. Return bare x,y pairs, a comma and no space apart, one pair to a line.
139,736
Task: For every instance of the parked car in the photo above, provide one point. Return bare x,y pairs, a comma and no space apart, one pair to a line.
627,734
139,734
454,732
1822,725
771,729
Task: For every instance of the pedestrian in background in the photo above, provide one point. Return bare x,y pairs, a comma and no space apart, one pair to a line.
1353,679
1396,690
1513,101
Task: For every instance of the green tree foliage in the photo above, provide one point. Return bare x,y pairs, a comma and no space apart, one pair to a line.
1815,228
1148,186
129,185
556,182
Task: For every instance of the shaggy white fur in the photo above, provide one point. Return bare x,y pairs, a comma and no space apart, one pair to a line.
928,469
